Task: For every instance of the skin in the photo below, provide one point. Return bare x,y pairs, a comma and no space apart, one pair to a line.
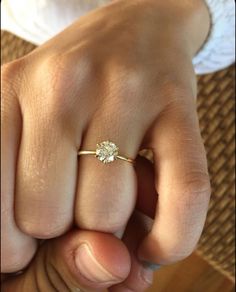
121,73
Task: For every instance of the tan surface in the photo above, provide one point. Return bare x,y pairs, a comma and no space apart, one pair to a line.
216,109
191,275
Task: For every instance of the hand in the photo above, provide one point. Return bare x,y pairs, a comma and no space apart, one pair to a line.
115,74
87,261
78,261
61,264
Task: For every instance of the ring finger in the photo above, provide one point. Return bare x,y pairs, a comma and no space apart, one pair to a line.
107,192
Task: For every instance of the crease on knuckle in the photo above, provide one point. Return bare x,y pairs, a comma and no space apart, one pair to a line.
197,184
177,90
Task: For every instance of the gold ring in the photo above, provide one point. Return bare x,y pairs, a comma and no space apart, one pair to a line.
106,152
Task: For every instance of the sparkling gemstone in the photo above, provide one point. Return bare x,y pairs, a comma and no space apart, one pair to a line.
107,151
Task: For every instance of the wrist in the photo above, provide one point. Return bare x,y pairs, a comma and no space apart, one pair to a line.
198,25
186,22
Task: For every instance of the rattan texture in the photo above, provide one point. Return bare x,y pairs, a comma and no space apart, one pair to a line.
216,110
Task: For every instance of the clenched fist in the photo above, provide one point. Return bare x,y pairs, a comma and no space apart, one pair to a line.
121,73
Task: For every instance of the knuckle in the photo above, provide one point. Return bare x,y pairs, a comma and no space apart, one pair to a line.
10,72
14,263
63,73
197,184
179,250
12,259
7,70
127,82
132,78
177,88
64,77
43,228
126,85
176,254
172,252
103,222
193,195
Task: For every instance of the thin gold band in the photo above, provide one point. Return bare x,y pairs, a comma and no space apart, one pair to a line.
89,152
84,152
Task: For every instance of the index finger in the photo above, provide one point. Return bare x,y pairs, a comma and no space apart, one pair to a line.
17,248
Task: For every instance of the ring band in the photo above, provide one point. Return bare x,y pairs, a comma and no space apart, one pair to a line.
106,152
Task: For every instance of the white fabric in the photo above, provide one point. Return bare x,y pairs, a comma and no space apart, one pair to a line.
38,20
219,50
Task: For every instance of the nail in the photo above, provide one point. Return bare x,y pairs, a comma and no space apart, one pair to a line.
90,268
151,266
147,275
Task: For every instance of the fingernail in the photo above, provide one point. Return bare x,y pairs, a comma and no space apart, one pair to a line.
147,275
90,268
153,267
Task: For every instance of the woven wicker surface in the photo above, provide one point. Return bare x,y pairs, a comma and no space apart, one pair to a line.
216,109
217,120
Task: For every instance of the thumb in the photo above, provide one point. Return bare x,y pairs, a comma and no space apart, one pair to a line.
77,261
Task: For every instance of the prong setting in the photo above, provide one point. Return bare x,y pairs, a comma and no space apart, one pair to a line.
107,152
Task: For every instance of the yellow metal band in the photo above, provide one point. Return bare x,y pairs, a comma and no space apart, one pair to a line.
92,152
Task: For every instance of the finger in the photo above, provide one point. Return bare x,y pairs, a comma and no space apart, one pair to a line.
182,182
47,171
106,193
77,261
17,248
141,276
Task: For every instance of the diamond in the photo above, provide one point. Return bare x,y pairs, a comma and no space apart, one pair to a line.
107,151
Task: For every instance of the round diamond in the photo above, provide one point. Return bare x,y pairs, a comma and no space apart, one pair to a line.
107,151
